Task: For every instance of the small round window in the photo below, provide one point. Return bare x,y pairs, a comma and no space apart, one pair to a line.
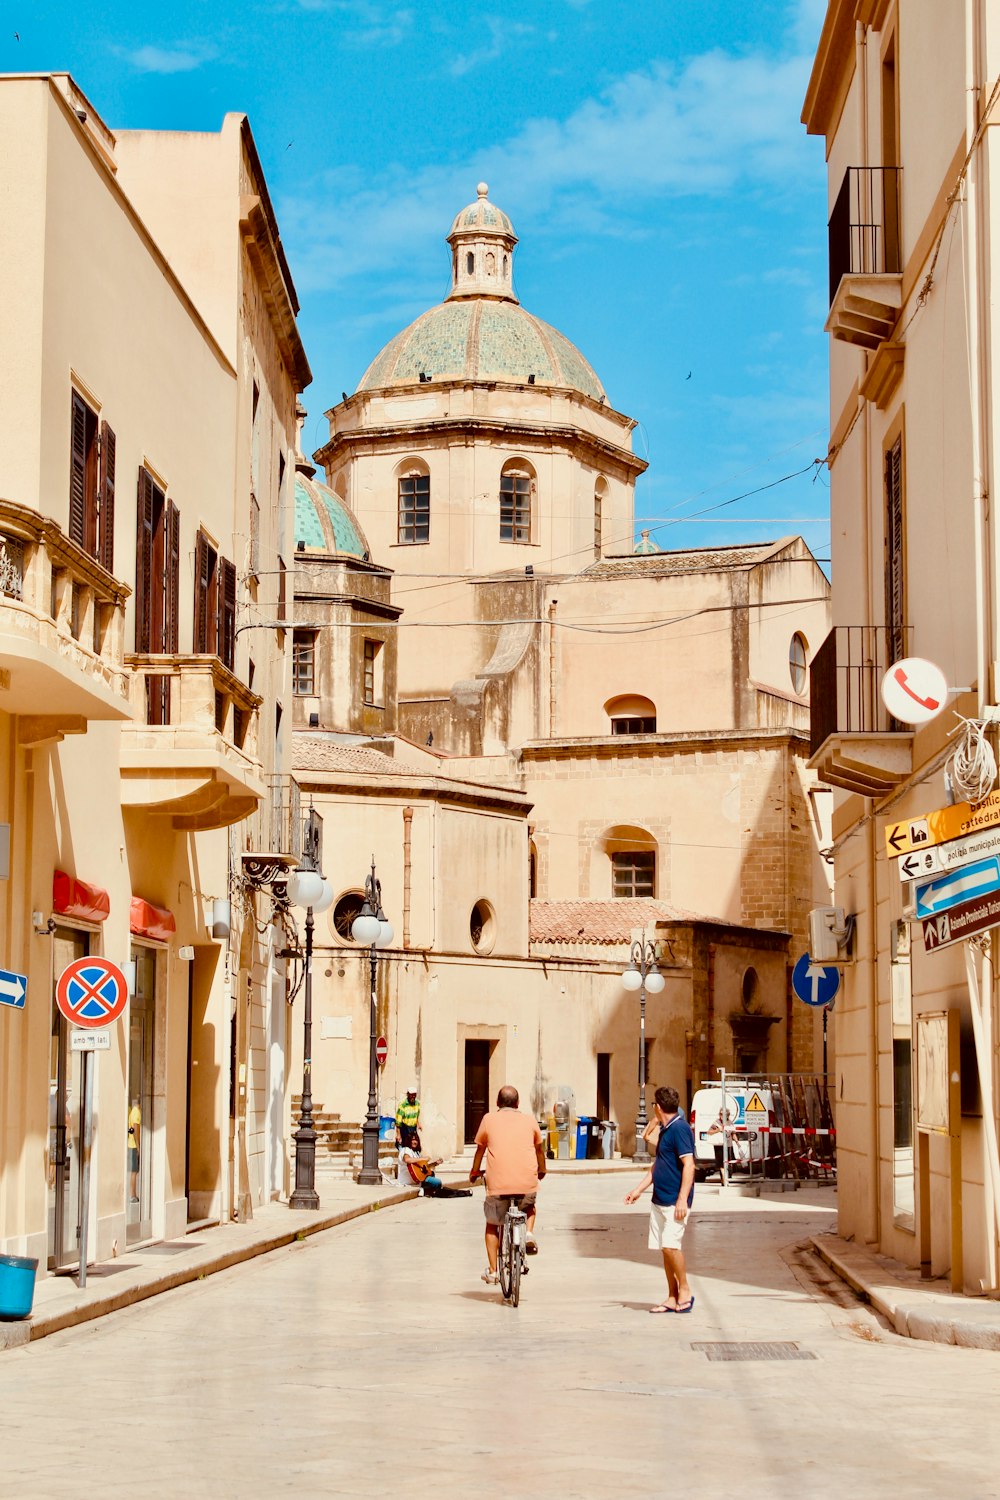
483,927
798,655
343,915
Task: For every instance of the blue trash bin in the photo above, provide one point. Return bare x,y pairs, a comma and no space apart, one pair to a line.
584,1126
17,1287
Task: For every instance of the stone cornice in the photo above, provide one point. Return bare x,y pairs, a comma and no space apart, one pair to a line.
832,71
612,745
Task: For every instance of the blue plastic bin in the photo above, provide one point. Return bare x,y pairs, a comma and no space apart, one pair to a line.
386,1127
584,1126
17,1287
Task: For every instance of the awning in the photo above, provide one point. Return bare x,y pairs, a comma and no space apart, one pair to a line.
75,898
149,921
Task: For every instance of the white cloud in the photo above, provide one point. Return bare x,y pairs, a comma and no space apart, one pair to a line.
501,34
366,23
183,58
716,124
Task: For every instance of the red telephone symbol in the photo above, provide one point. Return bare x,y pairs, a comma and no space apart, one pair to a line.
928,703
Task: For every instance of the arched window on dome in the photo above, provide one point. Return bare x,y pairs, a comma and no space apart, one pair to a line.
506,268
631,714
470,264
518,487
600,496
491,263
413,481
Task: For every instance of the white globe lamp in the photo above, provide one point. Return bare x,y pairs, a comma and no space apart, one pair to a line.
305,887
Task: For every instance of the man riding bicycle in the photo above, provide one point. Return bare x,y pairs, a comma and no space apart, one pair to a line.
515,1164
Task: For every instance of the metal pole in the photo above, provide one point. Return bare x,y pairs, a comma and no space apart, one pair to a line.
305,1194
826,1011
370,1173
88,1140
641,1156
725,1131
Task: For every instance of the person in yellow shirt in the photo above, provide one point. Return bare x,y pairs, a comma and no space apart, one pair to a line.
134,1132
408,1121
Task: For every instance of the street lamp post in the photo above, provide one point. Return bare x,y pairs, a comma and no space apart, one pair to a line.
642,975
371,929
307,888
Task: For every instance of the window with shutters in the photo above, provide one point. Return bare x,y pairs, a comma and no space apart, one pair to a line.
157,587
894,552
92,483
600,495
517,493
214,603
372,695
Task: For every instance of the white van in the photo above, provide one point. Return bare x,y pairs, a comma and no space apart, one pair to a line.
746,1145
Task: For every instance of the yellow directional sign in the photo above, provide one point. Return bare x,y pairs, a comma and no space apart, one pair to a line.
755,1105
941,826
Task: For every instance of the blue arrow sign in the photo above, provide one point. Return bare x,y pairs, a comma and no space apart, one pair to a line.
13,988
815,984
967,883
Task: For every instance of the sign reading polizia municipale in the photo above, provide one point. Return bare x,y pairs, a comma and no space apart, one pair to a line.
914,690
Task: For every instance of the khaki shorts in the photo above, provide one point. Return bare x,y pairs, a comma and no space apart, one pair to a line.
496,1207
666,1232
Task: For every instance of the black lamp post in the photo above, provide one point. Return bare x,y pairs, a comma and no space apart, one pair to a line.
642,975
371,928
307,888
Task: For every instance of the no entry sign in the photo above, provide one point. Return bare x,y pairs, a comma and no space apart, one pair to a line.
381,1051
91,992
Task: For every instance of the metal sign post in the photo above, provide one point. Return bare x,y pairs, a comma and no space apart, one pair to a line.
87,1064
725,1130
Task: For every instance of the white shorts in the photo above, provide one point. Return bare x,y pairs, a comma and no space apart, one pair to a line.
665,1232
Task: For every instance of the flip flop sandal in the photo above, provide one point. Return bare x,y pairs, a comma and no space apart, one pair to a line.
686,1308
663,1308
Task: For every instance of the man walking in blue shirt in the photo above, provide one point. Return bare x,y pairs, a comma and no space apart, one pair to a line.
672,1177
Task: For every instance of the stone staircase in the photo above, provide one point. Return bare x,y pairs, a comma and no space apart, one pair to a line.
338,1142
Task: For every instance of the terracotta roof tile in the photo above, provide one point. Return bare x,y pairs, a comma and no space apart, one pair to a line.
693,560
593,921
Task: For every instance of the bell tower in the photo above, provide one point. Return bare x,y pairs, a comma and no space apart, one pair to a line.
482,241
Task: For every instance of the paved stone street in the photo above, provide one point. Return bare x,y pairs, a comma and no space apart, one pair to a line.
371,1360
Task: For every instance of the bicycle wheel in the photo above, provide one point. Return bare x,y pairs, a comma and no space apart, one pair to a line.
506,1257
515,1271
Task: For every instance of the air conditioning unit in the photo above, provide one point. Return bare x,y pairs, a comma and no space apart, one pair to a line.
830,932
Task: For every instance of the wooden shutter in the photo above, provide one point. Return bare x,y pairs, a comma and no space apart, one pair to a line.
227,611
144,563
894,617
202,569
78,472
172,580
106,533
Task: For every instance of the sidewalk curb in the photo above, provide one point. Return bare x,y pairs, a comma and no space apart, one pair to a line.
939,1326
41,1327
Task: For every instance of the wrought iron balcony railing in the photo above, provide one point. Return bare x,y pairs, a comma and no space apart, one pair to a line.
845,678
864,225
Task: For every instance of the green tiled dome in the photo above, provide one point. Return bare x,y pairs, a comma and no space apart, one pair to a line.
482,214
324,523
481,339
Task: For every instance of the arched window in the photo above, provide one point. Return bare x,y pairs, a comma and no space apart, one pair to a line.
414,500
491,263
532,870
517,495
631,854
798,657
470,263
506,267
631,714
600,495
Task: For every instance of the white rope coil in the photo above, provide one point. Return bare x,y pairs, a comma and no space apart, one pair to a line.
972,765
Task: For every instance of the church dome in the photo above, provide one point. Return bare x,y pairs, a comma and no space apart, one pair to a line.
481,331
324,523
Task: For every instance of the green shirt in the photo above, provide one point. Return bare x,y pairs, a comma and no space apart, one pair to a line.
407,1113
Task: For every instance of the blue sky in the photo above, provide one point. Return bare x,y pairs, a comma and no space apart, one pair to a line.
670,208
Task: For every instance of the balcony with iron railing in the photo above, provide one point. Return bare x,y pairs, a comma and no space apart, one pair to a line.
866,284
191,751
62,619
854,742
273,840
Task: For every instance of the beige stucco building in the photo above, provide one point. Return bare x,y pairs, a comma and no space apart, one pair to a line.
546,732
147,416
901,91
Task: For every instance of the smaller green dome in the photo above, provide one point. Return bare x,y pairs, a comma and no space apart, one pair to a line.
482,215
324,523
645,546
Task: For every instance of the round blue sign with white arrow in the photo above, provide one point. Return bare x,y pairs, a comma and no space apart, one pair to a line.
815,984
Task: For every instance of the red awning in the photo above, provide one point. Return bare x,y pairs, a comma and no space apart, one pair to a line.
75,898
147,920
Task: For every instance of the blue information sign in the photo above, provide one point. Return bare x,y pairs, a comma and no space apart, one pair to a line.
13,988
815,984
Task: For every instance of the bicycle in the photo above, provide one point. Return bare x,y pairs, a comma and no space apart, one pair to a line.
513,1246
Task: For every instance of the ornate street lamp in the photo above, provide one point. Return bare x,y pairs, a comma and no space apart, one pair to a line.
306,887
642,975
371,929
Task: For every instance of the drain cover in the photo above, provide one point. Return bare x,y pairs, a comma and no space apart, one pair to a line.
752,1351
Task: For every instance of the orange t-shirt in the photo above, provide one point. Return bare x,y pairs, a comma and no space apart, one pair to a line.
510,1138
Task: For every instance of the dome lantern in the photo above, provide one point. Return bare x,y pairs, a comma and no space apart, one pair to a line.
482,241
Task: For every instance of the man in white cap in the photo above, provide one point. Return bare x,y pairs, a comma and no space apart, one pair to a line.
408,1120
